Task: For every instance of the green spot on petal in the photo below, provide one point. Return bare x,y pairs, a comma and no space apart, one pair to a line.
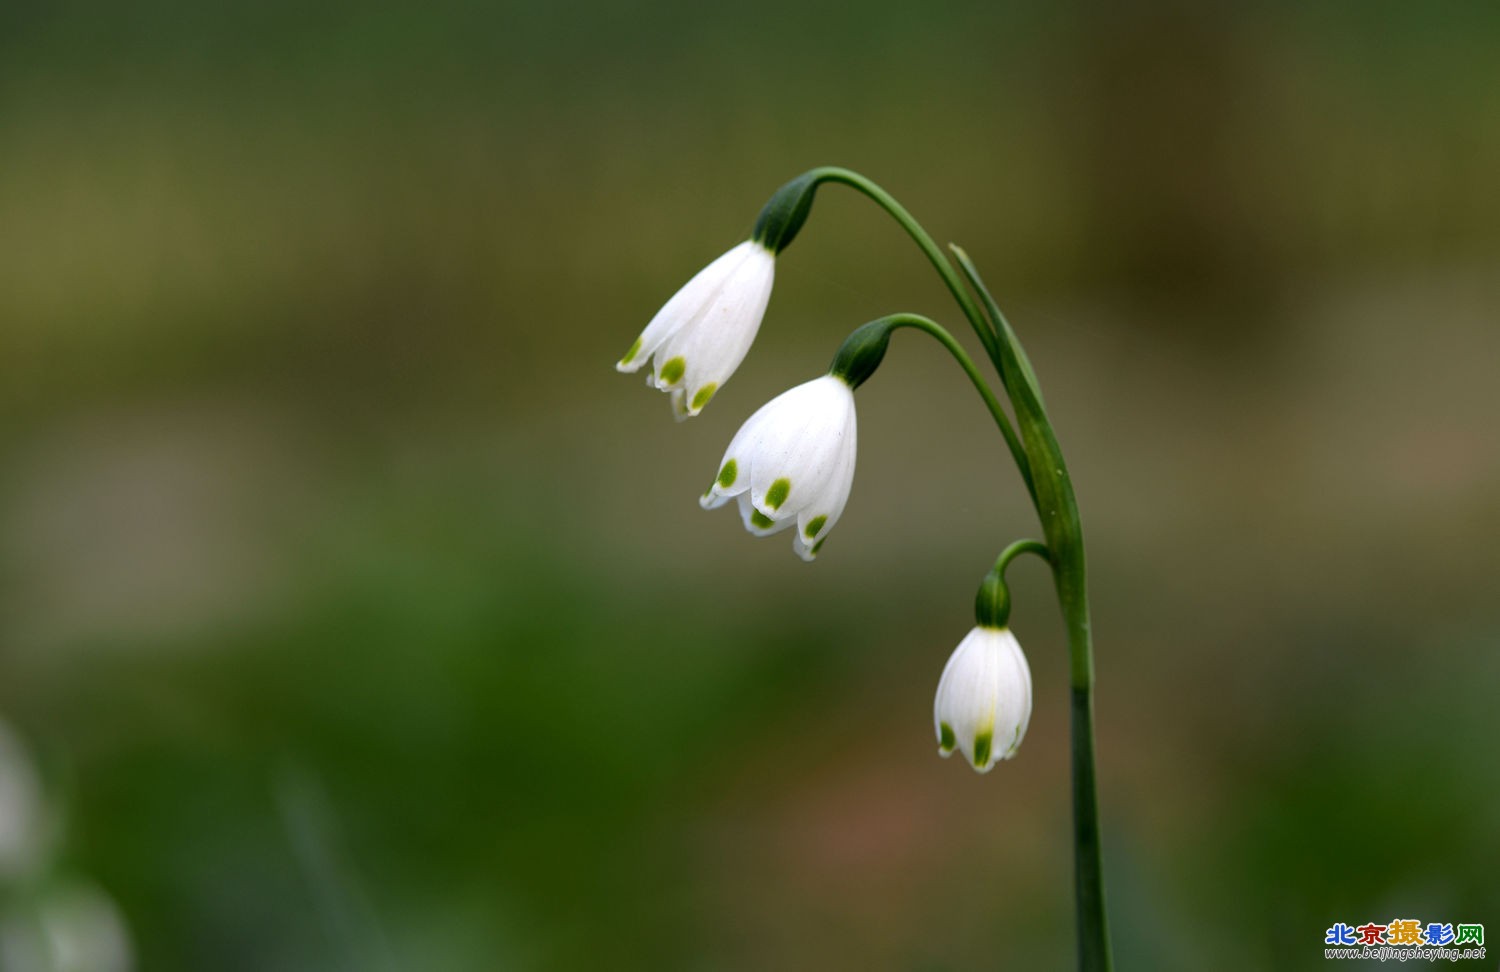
982,743
635,349
672,371
701,397
814,525
761,521
777,494
946,740
817,546
729,474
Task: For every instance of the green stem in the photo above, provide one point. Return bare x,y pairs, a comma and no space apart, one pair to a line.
852,179
1058,510
947,340
992,604
1017,549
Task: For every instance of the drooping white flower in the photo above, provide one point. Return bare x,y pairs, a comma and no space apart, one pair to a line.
983,700
792,462
702,334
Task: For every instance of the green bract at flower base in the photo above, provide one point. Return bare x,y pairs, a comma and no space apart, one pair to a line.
862,351
793,461
787,210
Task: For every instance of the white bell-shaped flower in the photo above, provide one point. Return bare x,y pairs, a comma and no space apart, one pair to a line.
984,698
703,333
792,462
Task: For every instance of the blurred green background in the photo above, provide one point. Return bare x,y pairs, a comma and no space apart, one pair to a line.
354,613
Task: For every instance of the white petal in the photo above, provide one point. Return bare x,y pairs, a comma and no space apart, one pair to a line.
748,511
686,304
815,520
821,507
803,444
975,695
741,448
718,493
829,501
1016,703
939,699
967,700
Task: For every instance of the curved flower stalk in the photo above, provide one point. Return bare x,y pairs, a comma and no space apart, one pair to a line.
792,462
700,336
983,702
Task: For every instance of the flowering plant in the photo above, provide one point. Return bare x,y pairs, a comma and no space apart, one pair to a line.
792,463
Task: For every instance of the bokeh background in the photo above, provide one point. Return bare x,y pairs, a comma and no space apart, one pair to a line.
354,613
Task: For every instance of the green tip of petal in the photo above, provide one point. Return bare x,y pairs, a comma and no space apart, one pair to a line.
635,349
729,474
778,492
982,743
814,525
816,547
673,370
761,521
946,739
702,395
